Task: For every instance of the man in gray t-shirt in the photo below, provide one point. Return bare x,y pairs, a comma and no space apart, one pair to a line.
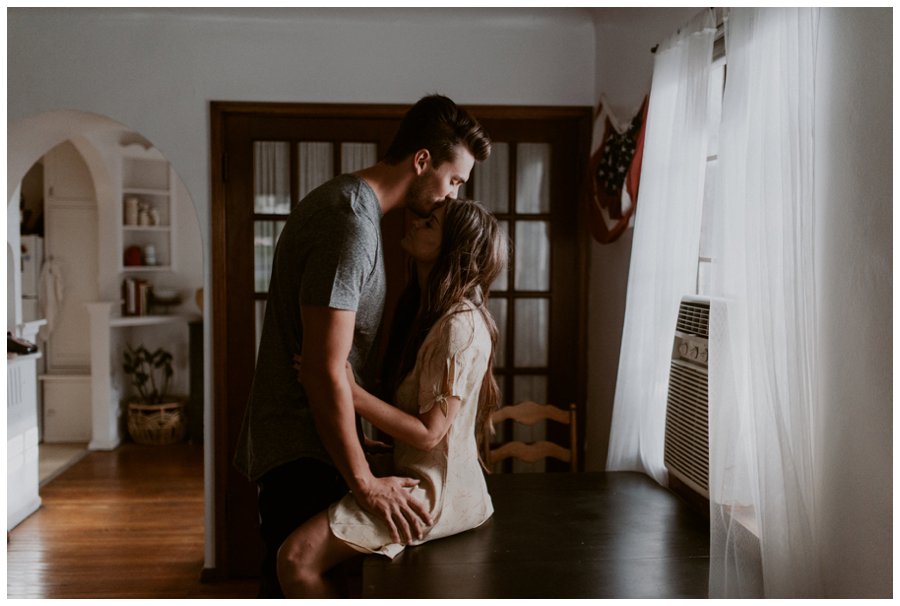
326,294
329,255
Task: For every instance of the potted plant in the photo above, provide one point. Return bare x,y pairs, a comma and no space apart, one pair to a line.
155,416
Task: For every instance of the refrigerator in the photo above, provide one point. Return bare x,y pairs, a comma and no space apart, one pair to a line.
32,259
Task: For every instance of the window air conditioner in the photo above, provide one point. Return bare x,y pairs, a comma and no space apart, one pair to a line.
686,450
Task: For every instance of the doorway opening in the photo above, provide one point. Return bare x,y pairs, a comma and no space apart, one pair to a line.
70,177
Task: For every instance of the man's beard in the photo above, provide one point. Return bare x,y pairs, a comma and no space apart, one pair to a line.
418,200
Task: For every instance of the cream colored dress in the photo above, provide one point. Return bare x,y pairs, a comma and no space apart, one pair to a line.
451,362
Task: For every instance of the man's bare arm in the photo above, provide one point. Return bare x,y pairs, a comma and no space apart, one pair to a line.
327,338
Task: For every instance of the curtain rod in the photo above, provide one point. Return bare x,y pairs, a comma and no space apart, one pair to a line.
720,27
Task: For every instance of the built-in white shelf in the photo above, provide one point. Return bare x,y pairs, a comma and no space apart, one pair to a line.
22,358
105,433
148,183
147,191
149,320
146,228
150,268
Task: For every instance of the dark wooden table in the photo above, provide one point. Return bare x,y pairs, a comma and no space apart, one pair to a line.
560,535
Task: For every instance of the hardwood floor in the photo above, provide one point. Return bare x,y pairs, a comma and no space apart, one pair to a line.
53,459
120,524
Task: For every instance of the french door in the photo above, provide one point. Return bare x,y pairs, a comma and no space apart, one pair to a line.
530,182
266,157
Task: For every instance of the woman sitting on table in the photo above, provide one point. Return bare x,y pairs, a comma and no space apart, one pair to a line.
445,393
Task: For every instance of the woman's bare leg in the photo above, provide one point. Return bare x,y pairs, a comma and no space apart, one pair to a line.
306,555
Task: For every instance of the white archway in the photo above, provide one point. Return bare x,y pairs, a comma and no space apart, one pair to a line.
29,139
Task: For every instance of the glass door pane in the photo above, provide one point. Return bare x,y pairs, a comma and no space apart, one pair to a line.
533,178
271,177
271,196
532,255
266,235
498,308
491,179
260,313
532,320
501,283
356,156
316,165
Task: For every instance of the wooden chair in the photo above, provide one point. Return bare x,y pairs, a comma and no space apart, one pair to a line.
529,413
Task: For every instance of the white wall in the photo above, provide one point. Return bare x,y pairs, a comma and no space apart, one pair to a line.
157,70
854,280
625,37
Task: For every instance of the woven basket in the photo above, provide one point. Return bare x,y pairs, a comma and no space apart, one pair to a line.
157,424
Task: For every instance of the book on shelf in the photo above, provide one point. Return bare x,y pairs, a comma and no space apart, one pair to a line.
135,297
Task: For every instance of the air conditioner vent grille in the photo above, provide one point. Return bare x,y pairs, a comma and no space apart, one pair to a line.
693,318
686,450
687,425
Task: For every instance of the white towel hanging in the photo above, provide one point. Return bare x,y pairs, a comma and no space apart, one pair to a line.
50,294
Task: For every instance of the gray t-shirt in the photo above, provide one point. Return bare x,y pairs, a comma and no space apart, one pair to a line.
329,254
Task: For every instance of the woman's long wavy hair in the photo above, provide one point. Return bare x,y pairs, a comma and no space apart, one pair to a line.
474,250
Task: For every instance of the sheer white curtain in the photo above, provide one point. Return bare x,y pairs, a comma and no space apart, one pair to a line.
762,370
665,246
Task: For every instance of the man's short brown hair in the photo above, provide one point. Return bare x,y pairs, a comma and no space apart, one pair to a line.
437,124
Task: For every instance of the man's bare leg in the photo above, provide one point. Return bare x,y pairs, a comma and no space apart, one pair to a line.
306,555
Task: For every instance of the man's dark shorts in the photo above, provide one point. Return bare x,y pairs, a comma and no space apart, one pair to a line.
289,495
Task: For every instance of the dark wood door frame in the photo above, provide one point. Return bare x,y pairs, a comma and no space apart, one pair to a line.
220,113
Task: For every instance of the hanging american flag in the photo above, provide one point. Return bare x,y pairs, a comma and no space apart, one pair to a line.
614,172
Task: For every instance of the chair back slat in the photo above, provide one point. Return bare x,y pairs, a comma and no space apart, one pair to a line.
528,412
530,453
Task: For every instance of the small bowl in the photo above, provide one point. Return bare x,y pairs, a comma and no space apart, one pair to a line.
166,296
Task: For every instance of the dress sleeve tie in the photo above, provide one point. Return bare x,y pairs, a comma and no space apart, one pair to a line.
447,387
